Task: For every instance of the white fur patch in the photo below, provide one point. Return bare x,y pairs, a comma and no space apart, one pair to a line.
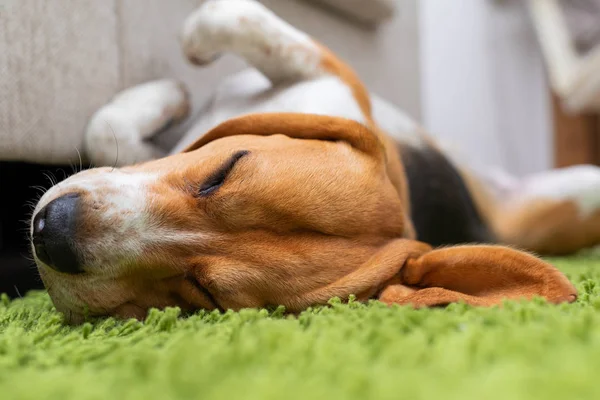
396,123
580,184
247,28
249,92
118,200
125,229
116,132
128,187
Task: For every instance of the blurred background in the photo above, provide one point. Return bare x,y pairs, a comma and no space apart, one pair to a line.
507,83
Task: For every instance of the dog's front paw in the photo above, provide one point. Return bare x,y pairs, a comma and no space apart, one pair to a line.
112,141
117,133
151,106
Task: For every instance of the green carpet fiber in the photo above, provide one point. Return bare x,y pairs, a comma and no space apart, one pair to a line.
354,351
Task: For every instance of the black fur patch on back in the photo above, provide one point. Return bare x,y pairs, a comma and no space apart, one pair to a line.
442,208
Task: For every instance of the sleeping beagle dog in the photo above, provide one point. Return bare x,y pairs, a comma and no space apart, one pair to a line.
293,186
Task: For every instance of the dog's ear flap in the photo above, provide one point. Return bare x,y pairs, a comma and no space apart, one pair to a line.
477,275
300,126
409,272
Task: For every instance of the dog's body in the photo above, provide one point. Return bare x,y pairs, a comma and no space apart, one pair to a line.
331,208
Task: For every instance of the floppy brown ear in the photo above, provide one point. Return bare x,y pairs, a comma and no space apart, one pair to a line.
297,125
409,272
476,275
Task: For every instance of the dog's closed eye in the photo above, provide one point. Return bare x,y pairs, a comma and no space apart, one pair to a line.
217,178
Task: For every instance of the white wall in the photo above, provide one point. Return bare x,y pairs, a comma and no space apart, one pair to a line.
484,91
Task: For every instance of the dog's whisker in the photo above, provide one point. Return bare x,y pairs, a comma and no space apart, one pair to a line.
47,176
64,174
29,257
51,178
33,203
40,189
24,222
80,160
116,145
30,203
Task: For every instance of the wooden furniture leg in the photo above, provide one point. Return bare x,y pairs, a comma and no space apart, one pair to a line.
576,138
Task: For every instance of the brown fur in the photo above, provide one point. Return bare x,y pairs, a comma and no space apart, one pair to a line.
318,208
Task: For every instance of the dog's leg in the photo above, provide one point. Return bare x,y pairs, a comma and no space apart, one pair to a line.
278,50
250,30
117,133
554,212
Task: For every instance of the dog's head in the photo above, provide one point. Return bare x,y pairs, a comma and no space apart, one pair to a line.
261,210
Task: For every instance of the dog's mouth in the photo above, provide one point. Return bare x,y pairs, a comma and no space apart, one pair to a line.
82,297
71,317
190,298
203,291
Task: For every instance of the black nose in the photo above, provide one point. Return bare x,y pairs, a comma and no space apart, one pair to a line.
53,231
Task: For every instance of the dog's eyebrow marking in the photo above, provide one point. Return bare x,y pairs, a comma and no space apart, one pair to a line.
217,178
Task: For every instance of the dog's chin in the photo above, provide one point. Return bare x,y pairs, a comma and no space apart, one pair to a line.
65,297
76,317
129,311
70,317
88,296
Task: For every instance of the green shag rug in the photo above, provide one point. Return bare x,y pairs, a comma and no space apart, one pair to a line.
522,351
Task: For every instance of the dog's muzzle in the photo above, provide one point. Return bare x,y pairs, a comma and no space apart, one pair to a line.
53,233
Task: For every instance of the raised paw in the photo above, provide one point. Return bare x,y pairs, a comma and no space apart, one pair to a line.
117,133
251,31
213,27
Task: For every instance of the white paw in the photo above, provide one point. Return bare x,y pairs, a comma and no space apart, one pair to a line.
580,184
117,133
152,105
211,29
250,30
112,140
